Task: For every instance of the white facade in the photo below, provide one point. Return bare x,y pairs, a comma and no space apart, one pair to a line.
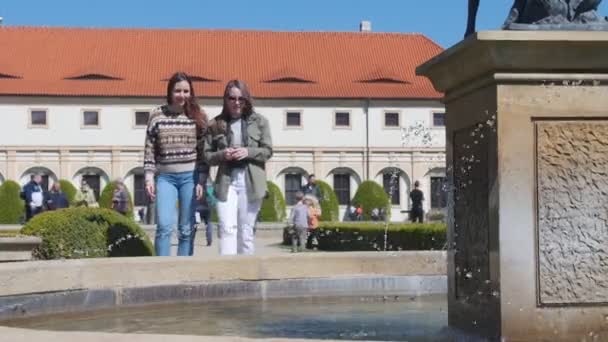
65,148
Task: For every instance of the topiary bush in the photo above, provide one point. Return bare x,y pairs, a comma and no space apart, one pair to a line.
330,209
436,216
68,189
273,208
105,199
12,207
340,236
371,195
82,232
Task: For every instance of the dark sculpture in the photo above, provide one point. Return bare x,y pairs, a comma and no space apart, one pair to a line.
547,15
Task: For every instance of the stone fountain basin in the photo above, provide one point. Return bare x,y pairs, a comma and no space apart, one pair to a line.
18,248
35,288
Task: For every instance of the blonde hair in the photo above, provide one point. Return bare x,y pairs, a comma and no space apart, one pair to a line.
311,200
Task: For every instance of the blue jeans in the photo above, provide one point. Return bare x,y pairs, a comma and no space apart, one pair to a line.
171,187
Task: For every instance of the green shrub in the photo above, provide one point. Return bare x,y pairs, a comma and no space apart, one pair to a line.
105,199
330,210
370,195
12,207
340,236
87,233
68,189
273,207
436,216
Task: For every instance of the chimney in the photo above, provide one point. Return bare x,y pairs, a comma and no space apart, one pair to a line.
365,26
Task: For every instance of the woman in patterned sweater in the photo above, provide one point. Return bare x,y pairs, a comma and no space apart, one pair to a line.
173,143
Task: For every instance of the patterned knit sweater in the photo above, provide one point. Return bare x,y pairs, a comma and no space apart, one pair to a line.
173,144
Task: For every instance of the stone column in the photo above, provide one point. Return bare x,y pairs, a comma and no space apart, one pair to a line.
64,167
116,168
527,153
11,166
317,160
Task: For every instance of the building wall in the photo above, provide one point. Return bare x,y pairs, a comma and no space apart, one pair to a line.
65,149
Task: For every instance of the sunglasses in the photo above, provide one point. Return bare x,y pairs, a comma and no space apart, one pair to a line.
234,98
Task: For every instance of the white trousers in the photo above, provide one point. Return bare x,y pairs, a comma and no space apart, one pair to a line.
237,218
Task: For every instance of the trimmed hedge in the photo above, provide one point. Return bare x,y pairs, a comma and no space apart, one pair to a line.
68,189
273,208
82,232
12,207
340,236
370,195
330,210
105,199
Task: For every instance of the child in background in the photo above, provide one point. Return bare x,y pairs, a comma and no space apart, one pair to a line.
298,219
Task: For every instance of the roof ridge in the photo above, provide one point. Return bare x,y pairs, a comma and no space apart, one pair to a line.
222,30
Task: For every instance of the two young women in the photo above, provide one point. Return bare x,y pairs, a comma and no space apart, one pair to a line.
181,145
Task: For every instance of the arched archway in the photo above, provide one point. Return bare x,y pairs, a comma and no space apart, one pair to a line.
290,180
96,177
135,182
396,183
436,187
345,182
48,176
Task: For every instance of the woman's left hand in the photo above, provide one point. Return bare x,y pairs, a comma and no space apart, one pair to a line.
240,153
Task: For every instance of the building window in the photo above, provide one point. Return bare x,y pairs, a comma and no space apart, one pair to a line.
293,119
439,198
342,119
342,188
439,119
390,181
90,118
141,118
139,190
391,119
38,117
293,184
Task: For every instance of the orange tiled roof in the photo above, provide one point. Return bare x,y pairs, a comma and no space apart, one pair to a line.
136,62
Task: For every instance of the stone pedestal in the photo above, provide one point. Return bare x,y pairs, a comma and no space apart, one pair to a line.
527,149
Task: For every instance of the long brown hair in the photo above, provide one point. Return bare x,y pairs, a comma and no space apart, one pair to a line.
247,106
191,107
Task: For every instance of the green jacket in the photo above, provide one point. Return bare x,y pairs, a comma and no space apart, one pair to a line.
258,141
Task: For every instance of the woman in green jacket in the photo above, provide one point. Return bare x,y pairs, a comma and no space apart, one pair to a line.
239,143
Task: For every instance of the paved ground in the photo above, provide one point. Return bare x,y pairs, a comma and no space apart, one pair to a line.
267,242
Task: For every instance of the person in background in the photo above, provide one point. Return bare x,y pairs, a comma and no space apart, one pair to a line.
314,214
417,197
312,188
85,196
359,213
204,208
56,199
34,197
142,214
298,220
120,199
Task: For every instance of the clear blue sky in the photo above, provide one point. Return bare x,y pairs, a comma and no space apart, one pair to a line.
441,20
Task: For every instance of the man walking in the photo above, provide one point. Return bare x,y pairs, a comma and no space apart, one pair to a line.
417,197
